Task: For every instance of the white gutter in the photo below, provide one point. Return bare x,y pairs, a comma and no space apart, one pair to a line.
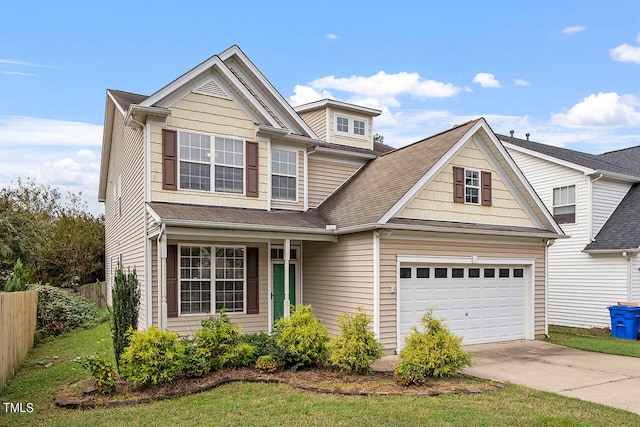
246,227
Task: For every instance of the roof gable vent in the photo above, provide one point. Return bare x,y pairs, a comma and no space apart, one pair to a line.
211,88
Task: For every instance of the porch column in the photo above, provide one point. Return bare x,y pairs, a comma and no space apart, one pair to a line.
162,282
287,253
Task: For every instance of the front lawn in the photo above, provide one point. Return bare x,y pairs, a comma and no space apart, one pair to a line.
279,404
596,339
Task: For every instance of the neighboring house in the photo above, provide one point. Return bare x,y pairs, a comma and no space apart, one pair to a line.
220,193
595,199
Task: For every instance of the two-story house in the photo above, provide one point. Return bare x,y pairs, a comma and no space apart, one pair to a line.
219,193
595,199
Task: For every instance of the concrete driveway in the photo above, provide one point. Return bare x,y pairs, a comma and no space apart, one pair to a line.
601,378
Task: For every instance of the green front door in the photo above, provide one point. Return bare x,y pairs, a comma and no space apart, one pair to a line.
278,288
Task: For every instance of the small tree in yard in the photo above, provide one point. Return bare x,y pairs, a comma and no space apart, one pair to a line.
126,303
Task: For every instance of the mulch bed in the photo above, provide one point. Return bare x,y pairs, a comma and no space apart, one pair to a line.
83,394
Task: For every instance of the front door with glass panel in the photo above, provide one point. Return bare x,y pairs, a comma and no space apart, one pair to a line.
278,289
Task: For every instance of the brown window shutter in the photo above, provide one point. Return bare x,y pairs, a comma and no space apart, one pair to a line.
252,169
486,188
458,184
253,301
169,159
172,281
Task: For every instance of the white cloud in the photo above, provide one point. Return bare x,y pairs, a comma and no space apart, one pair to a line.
331,36
52,152
305,94
601,110
35,131
486,80
574,29
626,52
14,62
521,82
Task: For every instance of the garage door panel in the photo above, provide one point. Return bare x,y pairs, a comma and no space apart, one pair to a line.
480,309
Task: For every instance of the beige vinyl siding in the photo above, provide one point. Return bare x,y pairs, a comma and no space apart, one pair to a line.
325,175
391,248
352,141
338,277
581,286
124,231
435,201
214,116
250,323
299,204
607,194
317,121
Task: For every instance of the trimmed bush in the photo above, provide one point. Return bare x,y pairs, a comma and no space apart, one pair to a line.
60,312
152,357
356,348
408,373
196,364
239,355
102,371
267,364
126,303
436,349
303,337
216,338
267,345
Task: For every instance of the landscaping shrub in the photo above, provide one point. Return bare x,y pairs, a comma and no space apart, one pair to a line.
409,373
267,364
102,371
152,357
436,349
239,355
356,348
267,345
18,281
126,303
60,312
303,337
196,364
216,338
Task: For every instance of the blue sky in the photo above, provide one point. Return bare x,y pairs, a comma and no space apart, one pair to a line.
567,72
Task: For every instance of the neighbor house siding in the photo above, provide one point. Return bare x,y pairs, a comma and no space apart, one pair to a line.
249,323
581,286
317,121
125,225
338,277
435,201
326,175
215,116
425,244
607,194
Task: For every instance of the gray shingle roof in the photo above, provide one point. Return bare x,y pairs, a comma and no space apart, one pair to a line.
592,161
628,158
377,187
622,229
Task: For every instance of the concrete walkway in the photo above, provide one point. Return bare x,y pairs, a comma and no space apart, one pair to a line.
596,377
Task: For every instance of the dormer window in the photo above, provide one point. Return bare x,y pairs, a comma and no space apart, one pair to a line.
350,126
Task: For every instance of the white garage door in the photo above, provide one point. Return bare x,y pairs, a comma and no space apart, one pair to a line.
481,304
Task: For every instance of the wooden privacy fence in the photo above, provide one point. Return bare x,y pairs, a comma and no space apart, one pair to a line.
93,292
17,326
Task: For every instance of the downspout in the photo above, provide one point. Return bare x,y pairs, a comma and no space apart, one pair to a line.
628,256
547,245
162,280
376,283
590,229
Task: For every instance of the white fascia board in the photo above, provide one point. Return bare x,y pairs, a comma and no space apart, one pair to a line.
431,173
523,180
324,103
236,51
195,73
186,230
548,158
124,113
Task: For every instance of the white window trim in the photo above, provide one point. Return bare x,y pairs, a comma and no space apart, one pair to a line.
554,206
478,187
295,152
212,164
351,132
213,280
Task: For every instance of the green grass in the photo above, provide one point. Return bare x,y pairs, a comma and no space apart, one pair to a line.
599,340
280,405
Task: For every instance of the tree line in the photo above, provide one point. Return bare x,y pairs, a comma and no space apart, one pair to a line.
56,239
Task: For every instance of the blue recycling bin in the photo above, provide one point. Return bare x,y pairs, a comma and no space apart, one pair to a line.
625,321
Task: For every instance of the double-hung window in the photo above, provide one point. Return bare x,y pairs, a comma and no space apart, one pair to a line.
284,168
472,186
203,293
564,204
196,163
